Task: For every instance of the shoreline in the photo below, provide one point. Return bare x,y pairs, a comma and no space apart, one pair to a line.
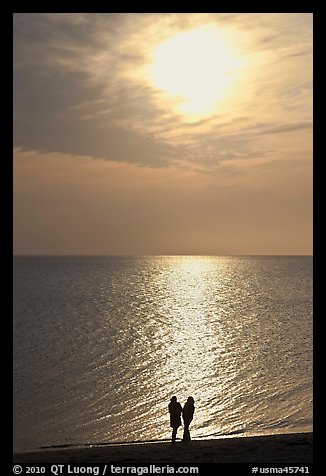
277,448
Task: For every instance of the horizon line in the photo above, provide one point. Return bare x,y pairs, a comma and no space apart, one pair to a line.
156,255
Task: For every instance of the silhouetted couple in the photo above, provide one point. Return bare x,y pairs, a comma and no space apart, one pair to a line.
187,412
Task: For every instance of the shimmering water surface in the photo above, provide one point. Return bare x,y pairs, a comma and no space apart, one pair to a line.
102,343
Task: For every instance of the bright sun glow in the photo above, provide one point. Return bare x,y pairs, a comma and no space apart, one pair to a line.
198,67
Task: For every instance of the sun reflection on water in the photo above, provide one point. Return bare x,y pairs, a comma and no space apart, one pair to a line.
194,346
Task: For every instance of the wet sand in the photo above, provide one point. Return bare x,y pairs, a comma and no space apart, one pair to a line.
293,448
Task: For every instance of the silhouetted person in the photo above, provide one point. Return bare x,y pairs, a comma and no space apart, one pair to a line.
175,410
188,414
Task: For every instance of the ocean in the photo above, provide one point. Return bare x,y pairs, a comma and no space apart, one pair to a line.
101,343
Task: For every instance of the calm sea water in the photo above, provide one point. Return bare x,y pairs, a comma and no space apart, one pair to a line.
102,343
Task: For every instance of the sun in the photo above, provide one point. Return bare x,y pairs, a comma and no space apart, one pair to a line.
196,67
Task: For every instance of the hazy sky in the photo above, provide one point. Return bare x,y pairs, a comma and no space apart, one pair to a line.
163,133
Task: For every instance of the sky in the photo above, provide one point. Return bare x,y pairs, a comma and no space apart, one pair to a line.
168,134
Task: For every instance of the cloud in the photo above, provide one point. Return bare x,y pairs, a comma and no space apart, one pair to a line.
283,128
78,89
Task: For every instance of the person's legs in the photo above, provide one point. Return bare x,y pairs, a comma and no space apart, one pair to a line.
174,434
186,433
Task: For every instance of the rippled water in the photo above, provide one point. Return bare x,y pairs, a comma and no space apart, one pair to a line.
102,343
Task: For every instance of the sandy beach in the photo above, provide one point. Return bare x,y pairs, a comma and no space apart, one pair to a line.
293,448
